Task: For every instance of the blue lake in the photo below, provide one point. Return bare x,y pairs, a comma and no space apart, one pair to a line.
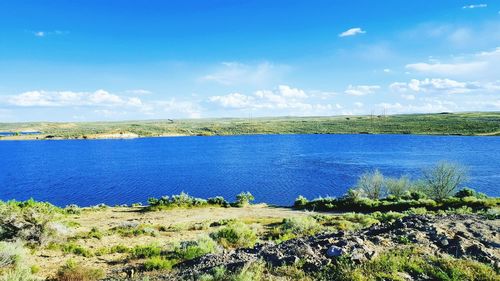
275,168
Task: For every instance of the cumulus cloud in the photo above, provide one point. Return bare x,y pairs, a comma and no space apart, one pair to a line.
352,32
233,100
284,100
442,86
361,90
475,6
69,98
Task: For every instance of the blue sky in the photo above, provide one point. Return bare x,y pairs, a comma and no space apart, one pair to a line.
120,59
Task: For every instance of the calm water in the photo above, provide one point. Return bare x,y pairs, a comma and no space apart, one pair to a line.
275,168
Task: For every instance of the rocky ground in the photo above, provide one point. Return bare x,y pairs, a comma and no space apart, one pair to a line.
462,236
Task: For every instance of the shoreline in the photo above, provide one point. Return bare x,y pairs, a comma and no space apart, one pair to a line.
24,138
440,124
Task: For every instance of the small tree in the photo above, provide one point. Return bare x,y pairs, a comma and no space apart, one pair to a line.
244,198
372,184
397,187
443,180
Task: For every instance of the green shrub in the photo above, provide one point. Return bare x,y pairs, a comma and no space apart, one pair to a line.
414,195
95,233
11,254
188,250
244,199
72,271
145,251
372,184
443,180
397,187
297,226
468,192
410,262
234,235
28,220
22,273
353,195
222,222
219,201
131,229
182,200
73,209
300,202
159,263
72,248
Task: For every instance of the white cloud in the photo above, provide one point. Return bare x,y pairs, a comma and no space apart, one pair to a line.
447,68
69,98
361,90
289,92
387,70
233,100
42,33
475,6
235,73
352,32
284,100
442,86
482,65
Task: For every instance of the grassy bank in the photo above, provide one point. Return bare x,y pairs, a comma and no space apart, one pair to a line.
480,123
42,242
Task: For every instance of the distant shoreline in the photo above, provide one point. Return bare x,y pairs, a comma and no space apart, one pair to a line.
441,124
39,138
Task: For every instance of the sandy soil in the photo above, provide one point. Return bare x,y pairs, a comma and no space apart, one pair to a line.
182,220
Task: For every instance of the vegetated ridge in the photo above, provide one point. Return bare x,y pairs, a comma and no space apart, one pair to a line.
479,123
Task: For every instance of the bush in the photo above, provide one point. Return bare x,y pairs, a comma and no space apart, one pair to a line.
146,251
72,271
72,248
218,200
300,202
244,199
353,195
372,184
468,192
414,195
443,180
11,254
183,200
159,263
188,250
234,235
29,221
397,187
22,273
300,225
73,209
295,226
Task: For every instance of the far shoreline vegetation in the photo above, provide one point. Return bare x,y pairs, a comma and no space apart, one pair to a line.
46,230
465,124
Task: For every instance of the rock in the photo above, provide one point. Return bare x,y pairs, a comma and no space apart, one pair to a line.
358,255
444,242
334,251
